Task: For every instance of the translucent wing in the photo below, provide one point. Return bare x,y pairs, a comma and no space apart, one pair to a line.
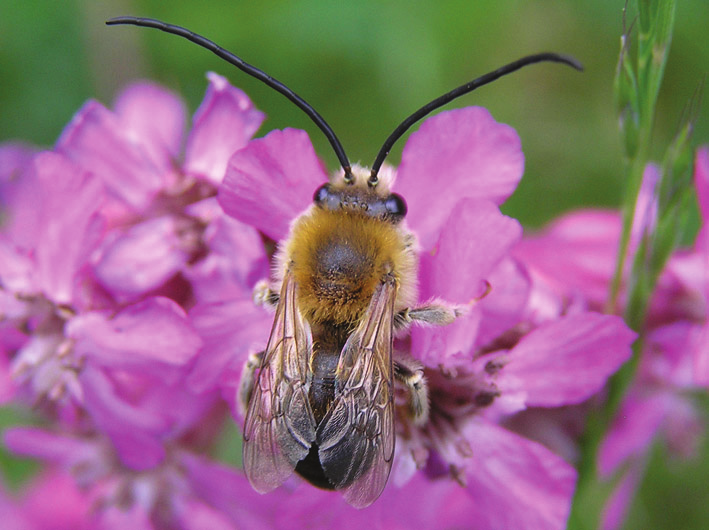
279,427
356,436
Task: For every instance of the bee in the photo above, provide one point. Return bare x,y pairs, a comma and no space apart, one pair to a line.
319,399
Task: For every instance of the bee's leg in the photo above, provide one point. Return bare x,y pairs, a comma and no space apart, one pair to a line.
246,384
437,314
264,295
410,373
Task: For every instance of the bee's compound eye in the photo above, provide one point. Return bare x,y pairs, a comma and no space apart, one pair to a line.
326,198
321,194
396,206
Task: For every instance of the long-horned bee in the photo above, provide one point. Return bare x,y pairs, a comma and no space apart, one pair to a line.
319,399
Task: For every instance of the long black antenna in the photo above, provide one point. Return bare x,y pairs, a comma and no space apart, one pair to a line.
252,71
464,89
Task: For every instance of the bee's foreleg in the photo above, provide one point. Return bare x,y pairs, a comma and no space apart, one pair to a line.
246,384
265,295
410,373
437,314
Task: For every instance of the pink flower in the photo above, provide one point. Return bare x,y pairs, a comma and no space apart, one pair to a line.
701,346
656,403
589,238
490,363
70,332
104,244
673,364
184,491
159,230
50,500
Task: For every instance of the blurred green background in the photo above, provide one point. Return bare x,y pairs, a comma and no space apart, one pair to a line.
365,66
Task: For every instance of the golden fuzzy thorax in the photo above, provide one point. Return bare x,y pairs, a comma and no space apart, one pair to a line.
338,258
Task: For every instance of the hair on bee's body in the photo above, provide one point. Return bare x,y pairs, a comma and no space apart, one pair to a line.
337,258
319,398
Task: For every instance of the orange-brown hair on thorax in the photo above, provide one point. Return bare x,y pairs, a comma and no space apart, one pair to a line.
338,258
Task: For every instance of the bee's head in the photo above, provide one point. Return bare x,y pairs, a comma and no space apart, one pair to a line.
357,191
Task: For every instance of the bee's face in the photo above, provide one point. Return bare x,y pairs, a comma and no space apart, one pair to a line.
359,194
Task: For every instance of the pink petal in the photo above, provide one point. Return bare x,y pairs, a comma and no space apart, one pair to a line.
16,188
645,215
231,331
68,207
52,447
421,503
225,121
219,486
616,509
669,354
514,482
143,257
271,181
134,430
456,154
701,357
7,383
54,501
632,432
18,195
195,515
16,268
154,330
236,260
95,138
12,517
14,157
684,427
566,361
502,308
153,118
683,285
473,240
589,240
701,181
119,517
475,237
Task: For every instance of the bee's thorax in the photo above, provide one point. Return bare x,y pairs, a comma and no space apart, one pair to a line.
338,259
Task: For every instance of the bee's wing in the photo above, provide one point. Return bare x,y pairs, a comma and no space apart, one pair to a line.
279,427
356,436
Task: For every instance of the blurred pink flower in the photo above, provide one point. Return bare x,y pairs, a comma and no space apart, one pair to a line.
49,500
105,243
675,344
160,211
185,490
675,361
699,270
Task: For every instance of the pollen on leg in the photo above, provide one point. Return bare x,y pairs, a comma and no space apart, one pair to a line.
264,295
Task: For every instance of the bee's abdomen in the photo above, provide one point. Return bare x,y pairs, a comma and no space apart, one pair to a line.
328,341
311,469
322,386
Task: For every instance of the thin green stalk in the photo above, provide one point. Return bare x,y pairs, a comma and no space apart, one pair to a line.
637,85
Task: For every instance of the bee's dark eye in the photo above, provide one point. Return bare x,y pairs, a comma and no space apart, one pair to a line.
395,206
326,198
321,194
